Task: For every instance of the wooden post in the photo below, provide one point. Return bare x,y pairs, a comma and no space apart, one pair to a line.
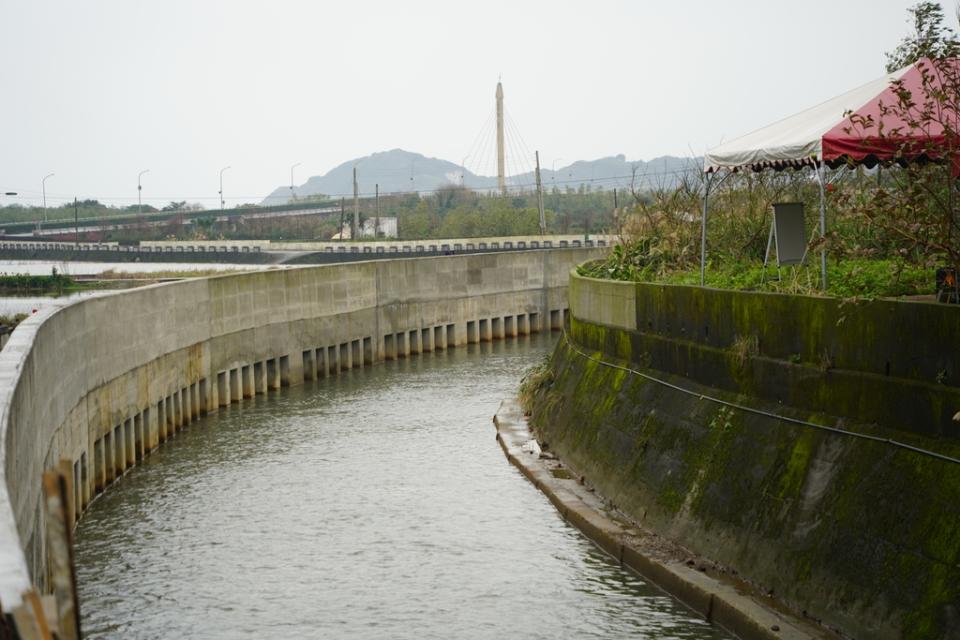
60,553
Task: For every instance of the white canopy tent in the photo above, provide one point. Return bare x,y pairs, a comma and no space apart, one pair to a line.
812,138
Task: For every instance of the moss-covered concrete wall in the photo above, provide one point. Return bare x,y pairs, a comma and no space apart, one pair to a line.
892,363
860,534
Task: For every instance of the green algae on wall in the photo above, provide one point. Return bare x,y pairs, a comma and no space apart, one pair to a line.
859,534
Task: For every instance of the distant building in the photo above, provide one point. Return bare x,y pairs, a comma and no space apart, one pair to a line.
388,229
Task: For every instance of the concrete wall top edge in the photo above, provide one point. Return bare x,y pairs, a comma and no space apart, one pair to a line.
55,358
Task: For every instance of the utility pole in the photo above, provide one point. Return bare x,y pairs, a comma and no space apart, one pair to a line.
293,193
543,217
76,225
616,211
501,169
43,185
342,211
356,207
139,194
376,224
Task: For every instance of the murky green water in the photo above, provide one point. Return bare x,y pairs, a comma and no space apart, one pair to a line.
376,504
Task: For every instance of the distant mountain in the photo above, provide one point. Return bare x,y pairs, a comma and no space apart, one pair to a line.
398,171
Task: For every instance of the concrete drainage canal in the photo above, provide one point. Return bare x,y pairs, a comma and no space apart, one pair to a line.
374,503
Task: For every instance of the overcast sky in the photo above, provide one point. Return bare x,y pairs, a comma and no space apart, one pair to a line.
96,91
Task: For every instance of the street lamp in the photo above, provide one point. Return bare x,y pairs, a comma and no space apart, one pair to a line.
43,186
293,195
222,201
139,191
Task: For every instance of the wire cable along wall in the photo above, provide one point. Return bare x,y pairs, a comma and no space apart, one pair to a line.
755,411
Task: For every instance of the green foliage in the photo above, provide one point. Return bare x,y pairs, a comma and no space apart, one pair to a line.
857,277
22,282
456,212
12,321
930,38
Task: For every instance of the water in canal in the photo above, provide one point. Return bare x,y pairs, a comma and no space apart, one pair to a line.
375,504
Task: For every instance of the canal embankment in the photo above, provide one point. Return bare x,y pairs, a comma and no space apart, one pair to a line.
96,385
806,445
697,581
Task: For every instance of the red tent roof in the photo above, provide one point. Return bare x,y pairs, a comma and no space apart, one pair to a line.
865,125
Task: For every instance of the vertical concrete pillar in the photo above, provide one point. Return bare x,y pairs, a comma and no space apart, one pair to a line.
246,374
150,431
260,376
485,333
309,369
236,391
414,340
185,403
534,322
291,370
138,440
368,351
356,356
76,497
206,401
321,362
523,324
223,389
119,451
171,417
198,404
273,374
403,347
509,327
426,340
177,411
455,337
99,466
129,426
161,421
84,482
108,450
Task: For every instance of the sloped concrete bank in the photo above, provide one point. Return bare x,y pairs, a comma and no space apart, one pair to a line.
667,400
102,382
718,598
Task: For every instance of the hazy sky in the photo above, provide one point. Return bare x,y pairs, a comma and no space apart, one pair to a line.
96,91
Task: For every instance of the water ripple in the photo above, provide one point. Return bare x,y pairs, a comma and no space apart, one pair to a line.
374,504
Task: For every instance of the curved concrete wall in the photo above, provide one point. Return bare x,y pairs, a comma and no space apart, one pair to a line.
101,382
857,533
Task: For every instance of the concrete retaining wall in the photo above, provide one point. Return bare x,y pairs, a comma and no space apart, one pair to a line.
104,381
857,533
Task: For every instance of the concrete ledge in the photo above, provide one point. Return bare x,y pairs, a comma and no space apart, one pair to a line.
719,599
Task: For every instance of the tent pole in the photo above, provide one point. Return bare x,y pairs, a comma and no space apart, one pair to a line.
823,225
703,229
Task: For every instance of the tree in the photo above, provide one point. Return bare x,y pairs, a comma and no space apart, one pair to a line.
917,205
930,38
